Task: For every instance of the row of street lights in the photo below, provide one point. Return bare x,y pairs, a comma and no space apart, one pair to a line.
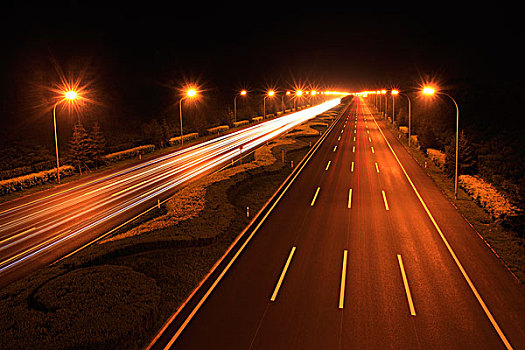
189,93
428,91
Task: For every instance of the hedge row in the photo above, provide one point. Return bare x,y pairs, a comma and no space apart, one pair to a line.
498,207
176,140
128,153
19,183
240,122
218,129
24,170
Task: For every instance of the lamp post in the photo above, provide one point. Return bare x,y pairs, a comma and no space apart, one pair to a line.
394,93
431,91
270,93
190,93
69,96
242,93
409,117
298,95
383,92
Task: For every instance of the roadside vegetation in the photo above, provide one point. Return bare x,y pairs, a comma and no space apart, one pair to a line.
30,167
117,293
490,193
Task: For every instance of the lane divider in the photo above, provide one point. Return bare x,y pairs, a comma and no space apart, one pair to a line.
407,288
281,278
449,248
276,197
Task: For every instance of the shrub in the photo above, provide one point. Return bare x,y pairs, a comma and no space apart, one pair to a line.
240,123
19,183
437,157
218,129
176,140
495,203
128,153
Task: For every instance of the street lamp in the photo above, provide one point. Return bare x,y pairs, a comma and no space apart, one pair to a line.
427,90
383,92
270,93
409,116
190,93
242,93
394,93
298,94
68,96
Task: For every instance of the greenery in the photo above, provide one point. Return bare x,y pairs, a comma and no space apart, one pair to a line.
490,141
504,236
34,179
118,293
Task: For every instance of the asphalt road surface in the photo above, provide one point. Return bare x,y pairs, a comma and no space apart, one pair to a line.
41,228
360,251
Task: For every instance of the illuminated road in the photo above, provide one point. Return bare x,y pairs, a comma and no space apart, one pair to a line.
41,228
359,250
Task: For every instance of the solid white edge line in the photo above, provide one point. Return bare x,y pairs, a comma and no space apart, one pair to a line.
450,250
283,273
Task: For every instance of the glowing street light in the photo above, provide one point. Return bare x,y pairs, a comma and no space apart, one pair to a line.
430,91
383,92
270,93
241,93
190,93
298,94
394,93
69,96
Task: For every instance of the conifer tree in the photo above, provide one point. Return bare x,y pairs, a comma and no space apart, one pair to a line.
79,145
98,144
467,163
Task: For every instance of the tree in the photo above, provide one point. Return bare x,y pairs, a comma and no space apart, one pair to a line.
152,133
467,163
427,138
165,132
98,144
79,146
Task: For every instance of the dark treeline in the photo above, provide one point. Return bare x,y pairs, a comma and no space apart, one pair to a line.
491,132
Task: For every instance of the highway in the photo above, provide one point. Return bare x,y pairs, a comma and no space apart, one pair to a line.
358,250
41,228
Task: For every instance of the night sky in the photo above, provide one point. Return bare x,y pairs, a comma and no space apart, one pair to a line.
135,57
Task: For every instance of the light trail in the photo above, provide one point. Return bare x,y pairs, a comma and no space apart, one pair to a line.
34,228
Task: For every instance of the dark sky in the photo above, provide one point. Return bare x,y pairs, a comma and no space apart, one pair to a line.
137,52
